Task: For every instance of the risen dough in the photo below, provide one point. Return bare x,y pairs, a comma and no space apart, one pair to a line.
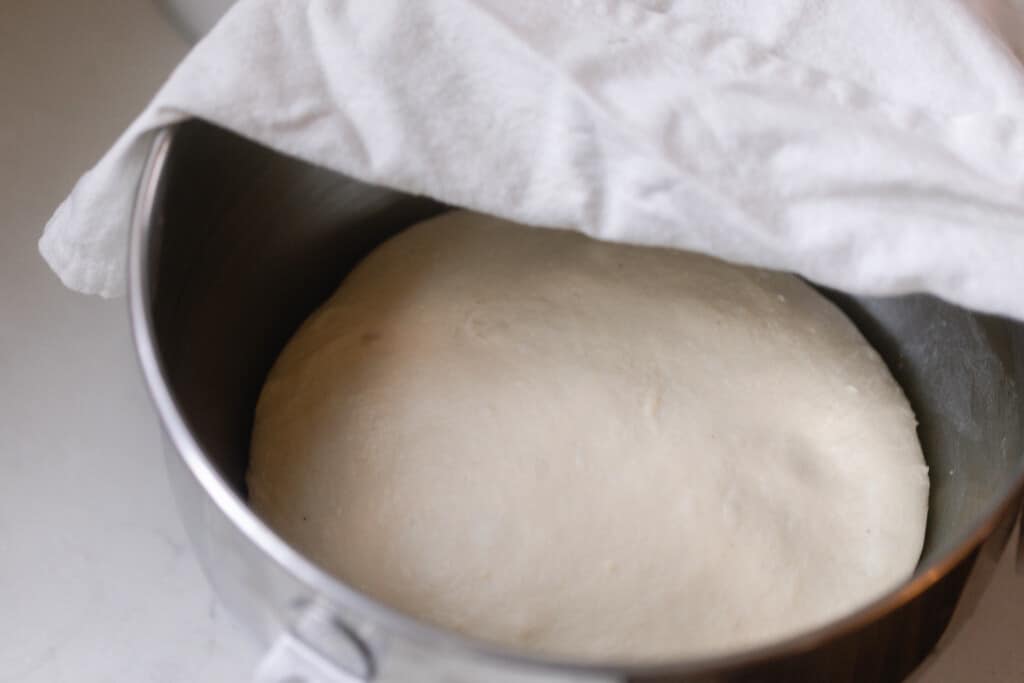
589,450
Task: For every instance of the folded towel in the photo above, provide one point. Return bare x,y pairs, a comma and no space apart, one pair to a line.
876,146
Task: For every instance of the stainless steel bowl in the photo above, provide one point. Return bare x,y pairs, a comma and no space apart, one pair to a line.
234,245
193,18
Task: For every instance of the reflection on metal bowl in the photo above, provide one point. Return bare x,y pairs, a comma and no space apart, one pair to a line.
193,18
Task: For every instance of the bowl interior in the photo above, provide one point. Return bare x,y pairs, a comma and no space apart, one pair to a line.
246,243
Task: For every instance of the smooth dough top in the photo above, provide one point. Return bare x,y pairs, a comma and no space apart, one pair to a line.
589,450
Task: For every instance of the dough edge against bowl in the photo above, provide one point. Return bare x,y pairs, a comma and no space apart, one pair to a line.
488,427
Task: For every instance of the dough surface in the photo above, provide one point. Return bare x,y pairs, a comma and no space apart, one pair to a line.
589,450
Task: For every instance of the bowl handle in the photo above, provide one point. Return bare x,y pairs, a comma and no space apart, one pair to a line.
300,654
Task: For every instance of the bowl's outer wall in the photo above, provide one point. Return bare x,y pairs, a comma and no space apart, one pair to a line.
193,18
244,243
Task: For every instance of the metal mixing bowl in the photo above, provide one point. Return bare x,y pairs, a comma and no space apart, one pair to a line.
234,245
193,18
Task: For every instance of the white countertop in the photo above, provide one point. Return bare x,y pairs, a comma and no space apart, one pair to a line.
97,580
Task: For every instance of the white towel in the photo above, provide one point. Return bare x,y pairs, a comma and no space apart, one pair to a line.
874,146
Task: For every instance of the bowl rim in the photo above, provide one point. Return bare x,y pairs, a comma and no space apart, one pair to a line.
437,638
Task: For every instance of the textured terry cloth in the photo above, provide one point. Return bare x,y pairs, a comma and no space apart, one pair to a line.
876,146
